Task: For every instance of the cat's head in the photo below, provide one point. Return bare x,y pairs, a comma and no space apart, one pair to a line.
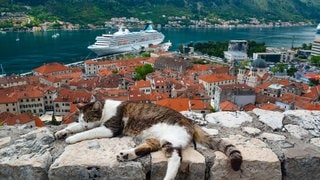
90,112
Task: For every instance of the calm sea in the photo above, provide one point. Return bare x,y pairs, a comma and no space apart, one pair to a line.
37,48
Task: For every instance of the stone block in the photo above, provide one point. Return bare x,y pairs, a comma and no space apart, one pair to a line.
28,157
301,162
259,162
96,159
192,167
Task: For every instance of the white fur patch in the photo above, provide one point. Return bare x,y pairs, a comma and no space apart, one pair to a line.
99,132
125,120
175,134
109,109
173,166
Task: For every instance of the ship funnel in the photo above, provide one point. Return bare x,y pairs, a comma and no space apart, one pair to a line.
148,27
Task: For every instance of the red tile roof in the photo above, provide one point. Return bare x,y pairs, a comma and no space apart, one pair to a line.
178,104
248,107
50,68
73,96
228,106
143,84
11,119
269,107
38,122
217,78
312,93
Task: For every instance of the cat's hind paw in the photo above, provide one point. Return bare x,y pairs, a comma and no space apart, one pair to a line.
126,155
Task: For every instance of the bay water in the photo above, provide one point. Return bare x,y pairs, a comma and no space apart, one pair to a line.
21,52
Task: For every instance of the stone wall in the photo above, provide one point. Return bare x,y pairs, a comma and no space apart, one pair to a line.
274,145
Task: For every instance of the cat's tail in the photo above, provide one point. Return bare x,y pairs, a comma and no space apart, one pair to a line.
230,150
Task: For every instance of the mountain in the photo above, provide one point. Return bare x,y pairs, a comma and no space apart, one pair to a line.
98,11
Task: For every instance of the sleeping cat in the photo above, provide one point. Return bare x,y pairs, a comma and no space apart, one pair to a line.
159,128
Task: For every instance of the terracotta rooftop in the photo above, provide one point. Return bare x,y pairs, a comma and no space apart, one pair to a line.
50,68
217,78
10,119
269,107
178,104
228,106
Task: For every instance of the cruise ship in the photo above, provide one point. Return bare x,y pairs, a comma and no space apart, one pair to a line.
125,41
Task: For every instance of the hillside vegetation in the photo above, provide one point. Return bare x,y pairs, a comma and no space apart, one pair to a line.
98,11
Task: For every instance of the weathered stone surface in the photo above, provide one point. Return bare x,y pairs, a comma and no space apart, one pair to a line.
28,157
192,166
228,119
251,130
301,162
308,120
4,141
96,159
271,118
315,141
272,137
296,131
210,131
259,162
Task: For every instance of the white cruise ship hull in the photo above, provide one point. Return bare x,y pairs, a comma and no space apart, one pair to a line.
126,41
105,50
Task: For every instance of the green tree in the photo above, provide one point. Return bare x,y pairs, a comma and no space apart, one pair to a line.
181,48
142,71
306,46
313,82
274,69
54,120
291,71
255,47
281,67
145,54
315,60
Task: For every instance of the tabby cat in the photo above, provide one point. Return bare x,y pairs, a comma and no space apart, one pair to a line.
159,128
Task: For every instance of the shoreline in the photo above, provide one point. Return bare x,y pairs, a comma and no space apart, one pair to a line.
239,26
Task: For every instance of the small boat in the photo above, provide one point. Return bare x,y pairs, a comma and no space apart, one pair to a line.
318,28
55,35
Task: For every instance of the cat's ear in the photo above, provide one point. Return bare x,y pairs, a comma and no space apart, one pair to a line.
97,106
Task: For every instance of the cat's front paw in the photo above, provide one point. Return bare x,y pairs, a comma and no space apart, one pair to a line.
71,140
61,134
126,155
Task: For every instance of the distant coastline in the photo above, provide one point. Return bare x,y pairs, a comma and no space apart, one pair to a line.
114,23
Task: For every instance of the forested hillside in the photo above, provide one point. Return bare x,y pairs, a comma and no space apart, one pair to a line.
97,11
